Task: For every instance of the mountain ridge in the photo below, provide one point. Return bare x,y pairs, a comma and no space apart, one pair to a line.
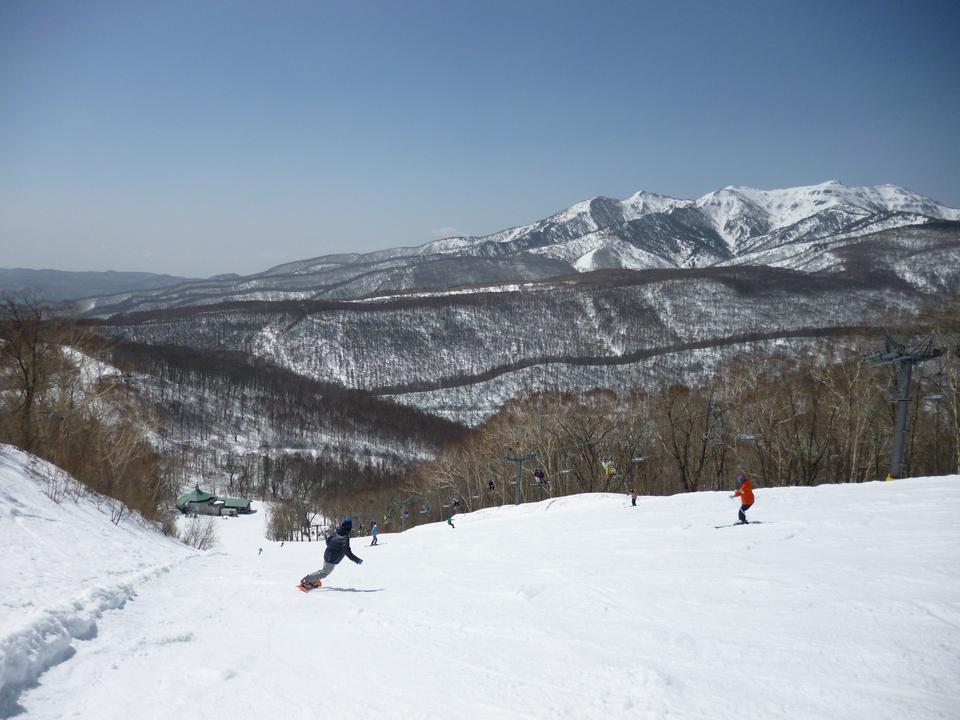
731,226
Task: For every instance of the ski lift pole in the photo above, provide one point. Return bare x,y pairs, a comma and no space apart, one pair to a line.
904,359
519,459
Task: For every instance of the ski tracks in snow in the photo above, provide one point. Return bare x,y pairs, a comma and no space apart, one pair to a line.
46,637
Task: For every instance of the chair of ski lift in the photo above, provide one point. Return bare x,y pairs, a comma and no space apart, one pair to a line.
939,393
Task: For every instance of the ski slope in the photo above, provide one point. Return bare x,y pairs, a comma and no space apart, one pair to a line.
844,603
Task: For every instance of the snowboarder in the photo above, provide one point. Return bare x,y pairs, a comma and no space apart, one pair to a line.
338,545
745,493
373,534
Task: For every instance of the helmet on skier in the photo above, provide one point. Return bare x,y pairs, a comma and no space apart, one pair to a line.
347,523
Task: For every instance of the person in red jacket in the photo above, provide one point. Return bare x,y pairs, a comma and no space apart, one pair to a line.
745,493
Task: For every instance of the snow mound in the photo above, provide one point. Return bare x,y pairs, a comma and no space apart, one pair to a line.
64,565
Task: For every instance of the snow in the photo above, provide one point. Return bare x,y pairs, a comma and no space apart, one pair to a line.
581,251
63,566
844,603
644,203
738,212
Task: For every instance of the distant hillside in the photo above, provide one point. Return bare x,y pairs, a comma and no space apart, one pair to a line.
810,228
57,286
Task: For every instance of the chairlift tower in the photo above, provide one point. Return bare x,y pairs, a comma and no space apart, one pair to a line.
904,358
519,460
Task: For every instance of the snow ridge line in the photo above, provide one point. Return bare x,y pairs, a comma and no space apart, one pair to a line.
47,638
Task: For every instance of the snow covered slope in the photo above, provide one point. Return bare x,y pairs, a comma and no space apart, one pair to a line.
63,566
844,603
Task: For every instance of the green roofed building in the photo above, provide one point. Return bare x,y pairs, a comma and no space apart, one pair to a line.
195,496
203,503
237,505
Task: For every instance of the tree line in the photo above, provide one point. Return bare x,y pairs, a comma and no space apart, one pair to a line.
55,404
823,415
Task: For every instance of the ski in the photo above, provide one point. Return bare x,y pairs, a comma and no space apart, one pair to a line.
752,522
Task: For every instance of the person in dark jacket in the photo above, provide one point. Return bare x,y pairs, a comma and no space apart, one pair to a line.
338,546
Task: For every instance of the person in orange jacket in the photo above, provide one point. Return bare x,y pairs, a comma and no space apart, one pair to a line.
745,493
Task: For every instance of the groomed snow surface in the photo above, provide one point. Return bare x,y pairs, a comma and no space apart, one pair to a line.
843,603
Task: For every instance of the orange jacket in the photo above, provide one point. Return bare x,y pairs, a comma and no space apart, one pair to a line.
745,492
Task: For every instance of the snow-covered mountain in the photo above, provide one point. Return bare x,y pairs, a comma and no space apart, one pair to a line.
735,225
839,604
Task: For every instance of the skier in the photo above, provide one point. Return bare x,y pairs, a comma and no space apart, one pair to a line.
338,545
745,493
633,498
450,522
373,534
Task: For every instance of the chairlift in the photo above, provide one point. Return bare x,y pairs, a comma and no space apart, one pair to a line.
941,386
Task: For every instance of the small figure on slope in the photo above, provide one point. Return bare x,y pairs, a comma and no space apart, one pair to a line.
633,498
745,493
373,534
450,522
338,545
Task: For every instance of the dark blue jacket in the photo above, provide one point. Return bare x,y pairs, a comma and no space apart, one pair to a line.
337,546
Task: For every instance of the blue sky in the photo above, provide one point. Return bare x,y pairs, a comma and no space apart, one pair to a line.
198,137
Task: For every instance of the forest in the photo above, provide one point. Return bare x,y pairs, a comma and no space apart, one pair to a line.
805,413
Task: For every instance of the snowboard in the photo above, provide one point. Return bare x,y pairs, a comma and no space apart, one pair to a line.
301,588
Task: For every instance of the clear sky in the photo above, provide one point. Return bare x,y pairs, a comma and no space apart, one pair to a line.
199,137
